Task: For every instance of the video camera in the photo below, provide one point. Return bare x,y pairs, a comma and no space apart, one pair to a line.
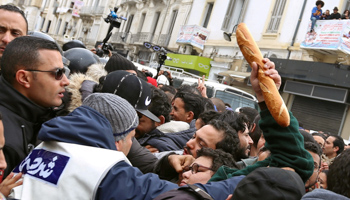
114,19
115,22
162,56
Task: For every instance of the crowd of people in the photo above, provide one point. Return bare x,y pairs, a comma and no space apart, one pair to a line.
317,14
95,130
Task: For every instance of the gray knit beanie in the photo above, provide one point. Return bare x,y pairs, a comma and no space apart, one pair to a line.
118,111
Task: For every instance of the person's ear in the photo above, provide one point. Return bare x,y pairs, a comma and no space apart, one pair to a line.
118,145
253,128
162,120
23,78
190,116
335,148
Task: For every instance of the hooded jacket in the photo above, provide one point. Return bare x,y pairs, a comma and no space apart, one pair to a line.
22,120
87,127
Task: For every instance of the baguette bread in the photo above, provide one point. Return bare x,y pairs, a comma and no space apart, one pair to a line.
273,99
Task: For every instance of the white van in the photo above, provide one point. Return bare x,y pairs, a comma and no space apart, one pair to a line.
233,96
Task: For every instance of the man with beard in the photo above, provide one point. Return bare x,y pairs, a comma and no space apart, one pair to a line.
239,122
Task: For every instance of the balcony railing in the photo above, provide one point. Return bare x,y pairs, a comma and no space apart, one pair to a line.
164,40
130,1
140,38
122,37
92,10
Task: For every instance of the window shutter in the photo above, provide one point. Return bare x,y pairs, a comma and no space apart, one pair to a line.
227,18
276,16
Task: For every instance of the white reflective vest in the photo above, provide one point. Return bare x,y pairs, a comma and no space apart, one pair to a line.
58,170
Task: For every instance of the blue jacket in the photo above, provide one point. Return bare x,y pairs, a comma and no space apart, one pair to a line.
167,141
85,126
313,11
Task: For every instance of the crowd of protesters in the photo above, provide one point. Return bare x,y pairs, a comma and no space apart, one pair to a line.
88,129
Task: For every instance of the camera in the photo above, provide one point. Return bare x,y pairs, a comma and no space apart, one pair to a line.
113,18
114,21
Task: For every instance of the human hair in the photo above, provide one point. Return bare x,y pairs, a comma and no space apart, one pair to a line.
209,115
168,88
235,120
193,102
15,9
256,134
218,156
338,178
320,3
250,112
230,141
325,171
160,104
219,104
338,142
189,89
313,146
319,134
0,116
23,53
141,75
307,136
119,62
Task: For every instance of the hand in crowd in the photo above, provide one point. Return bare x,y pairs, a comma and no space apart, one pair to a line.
93,50
324,166
201,87
270,71
152,149
10,182
178,162
160,72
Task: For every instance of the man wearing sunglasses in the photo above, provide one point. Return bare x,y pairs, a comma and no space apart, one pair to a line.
32,82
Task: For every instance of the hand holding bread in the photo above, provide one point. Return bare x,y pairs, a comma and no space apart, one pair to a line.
265,73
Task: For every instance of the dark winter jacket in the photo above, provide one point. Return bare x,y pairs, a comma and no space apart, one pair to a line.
22,120
167,141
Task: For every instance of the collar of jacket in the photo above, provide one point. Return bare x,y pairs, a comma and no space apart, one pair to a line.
21,105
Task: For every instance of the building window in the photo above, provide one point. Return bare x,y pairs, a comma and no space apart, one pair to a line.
142,21
48,26
171,26
155,22
65,28
58,26
128,26
234,14
42,24
207,14
276,16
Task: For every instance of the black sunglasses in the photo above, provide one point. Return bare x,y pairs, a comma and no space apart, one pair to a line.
59,72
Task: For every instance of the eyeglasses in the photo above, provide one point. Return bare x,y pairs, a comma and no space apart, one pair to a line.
316,167
59,72
196,168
